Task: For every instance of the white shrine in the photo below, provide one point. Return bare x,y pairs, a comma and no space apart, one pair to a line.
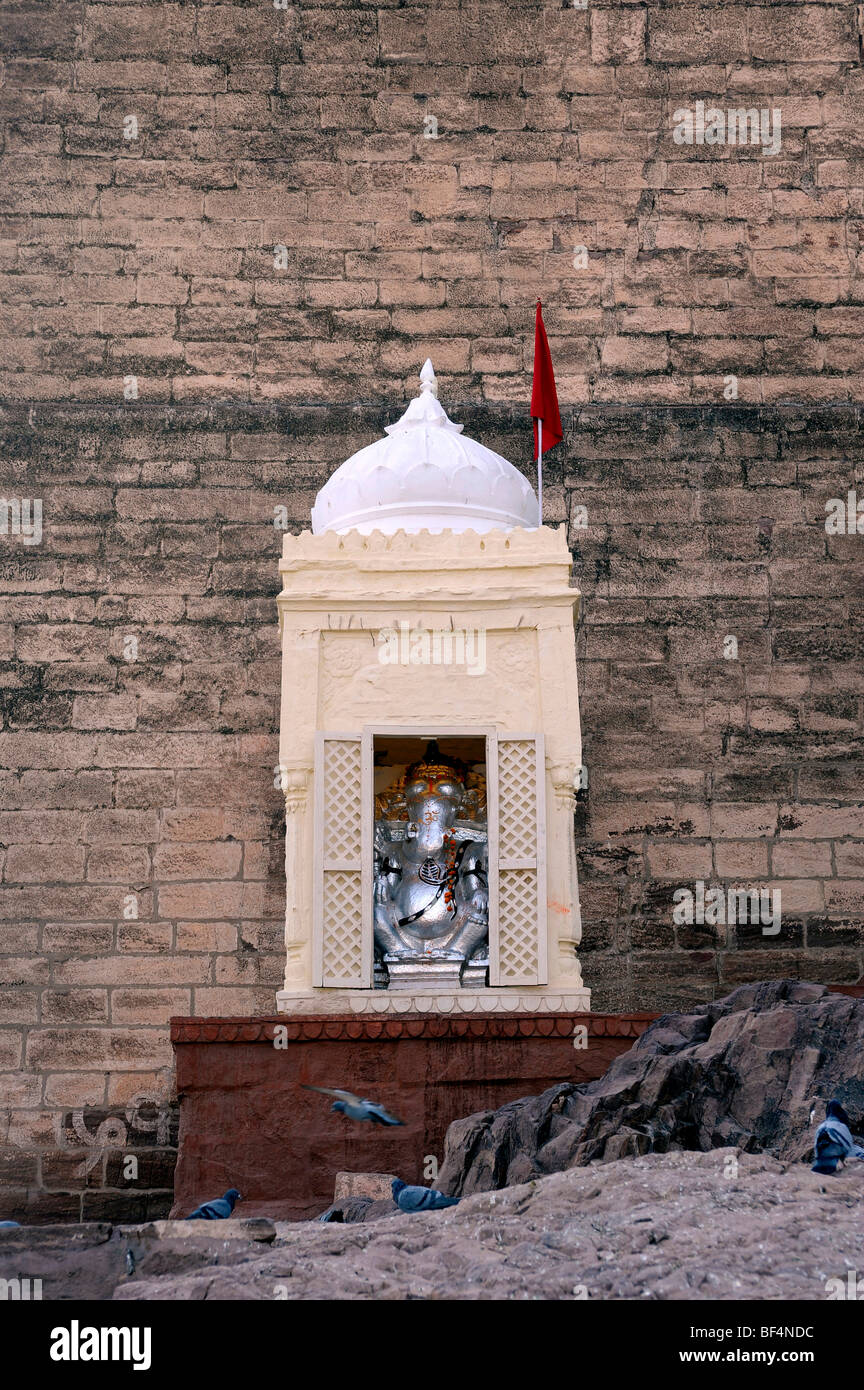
427,627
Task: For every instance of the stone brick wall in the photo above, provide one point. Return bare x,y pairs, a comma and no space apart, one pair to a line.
164,386
156,155
139,779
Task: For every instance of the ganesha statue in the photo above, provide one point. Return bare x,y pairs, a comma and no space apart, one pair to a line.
431,907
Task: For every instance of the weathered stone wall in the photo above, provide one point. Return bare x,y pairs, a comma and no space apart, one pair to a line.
141,778
156,154
166,386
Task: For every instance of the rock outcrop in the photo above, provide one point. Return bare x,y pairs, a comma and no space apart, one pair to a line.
720,1225
742,1071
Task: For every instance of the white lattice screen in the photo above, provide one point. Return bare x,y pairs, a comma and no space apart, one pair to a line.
518,938
343,955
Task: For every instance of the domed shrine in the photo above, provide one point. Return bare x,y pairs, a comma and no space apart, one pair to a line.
429,750
430,738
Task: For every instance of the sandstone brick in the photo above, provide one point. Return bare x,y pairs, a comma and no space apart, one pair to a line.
844,895
192,861
75,1006
679,861
806,33
698,35
225,1000
206,936
18,1005
800,859
132,970
94,1049
22,1090
137,936
849,857
76,1089
33,863
618,37
129,864
73,938
104,712
821,822
736,859
11,1049
154,1006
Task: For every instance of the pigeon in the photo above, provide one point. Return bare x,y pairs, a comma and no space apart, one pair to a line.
419,1198
834,1141
355,1108
217,1210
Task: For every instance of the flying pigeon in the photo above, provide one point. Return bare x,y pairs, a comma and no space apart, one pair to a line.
218,1210
355,1108
834,1141
419,1198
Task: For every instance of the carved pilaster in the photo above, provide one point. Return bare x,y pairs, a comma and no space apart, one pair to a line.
565,915
295,782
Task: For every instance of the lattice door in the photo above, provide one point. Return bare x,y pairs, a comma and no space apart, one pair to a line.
518,935
342,939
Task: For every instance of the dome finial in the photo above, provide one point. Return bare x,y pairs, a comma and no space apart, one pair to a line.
424,476
428,379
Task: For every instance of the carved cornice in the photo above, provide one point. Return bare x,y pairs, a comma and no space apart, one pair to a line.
391,1028
545,543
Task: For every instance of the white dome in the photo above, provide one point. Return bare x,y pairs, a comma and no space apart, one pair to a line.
425,476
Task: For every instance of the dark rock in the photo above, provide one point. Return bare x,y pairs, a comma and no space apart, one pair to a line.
351,1209
741,1071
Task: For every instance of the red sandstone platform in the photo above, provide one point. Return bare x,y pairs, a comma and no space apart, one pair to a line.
246,1122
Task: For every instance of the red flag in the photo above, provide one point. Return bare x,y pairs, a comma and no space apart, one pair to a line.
544,397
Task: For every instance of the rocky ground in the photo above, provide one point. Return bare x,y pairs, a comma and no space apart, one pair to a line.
718,1225
682,1173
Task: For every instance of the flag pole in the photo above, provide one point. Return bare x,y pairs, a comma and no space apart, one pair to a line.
540,472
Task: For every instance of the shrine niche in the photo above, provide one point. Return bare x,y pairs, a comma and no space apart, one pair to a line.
430,737
431,875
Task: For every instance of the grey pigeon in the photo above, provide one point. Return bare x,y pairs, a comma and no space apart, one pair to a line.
834,1141
419,1198
217,1210
355,1108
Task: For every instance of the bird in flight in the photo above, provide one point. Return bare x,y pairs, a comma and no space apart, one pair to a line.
355,1108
